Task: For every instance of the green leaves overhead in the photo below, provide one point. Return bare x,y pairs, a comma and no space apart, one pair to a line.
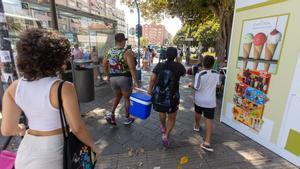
211,20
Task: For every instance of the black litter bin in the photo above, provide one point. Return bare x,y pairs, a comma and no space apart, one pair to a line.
84,80
67,75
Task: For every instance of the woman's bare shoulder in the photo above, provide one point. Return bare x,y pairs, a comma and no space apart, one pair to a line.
13,87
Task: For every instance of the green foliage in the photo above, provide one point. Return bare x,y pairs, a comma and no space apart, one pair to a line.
210,19
144,41
206,33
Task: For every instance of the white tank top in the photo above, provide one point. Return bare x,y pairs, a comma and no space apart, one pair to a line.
33,97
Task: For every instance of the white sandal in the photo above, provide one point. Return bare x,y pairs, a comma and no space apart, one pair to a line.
196,129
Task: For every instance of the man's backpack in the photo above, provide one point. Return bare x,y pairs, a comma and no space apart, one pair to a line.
165,96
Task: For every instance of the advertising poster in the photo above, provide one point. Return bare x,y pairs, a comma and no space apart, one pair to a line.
250,98
5,56
7,78
261,43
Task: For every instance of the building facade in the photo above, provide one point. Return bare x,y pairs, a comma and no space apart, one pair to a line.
91,23
156,33
122,25
132,41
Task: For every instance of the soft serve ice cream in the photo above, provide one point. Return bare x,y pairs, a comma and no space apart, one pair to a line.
247,44
272,42
259,40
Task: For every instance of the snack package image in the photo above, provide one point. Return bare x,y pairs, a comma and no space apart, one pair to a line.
250,97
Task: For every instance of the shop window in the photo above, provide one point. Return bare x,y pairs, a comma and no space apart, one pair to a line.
50,23
28,22
78,4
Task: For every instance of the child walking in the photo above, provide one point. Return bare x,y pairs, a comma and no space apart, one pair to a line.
205,85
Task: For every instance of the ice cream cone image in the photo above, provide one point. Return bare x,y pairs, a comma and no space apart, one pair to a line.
247,39
273,39
259,41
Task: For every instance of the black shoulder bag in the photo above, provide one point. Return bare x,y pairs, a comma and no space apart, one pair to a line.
75,154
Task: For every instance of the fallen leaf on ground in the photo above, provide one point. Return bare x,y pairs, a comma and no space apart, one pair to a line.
141,164
130,153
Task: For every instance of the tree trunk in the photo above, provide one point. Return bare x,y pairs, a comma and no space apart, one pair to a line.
229,21
223,40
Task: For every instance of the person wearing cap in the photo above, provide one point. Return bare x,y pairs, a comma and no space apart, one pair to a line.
167,118
119,66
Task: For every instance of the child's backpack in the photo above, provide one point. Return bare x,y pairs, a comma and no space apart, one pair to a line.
164,95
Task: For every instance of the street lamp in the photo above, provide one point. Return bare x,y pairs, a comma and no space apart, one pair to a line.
139,36
139,72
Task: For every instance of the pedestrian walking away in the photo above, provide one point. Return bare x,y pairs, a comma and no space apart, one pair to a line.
162,53
164,88
36,95
119,65
205,85
179,55
146,58
187,56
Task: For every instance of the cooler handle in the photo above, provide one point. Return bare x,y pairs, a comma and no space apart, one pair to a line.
142,90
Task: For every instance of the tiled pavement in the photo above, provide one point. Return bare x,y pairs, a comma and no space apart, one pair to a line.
139,145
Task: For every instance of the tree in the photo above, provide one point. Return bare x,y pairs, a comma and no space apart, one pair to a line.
144,41
206,33
199,10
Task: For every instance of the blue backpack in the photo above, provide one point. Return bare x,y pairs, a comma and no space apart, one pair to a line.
165,96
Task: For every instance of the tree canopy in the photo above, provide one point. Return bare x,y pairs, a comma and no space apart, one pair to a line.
198,13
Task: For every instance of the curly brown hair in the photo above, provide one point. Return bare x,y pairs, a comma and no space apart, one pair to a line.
41,53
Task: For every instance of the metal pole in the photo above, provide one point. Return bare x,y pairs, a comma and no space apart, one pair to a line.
53,15
139,36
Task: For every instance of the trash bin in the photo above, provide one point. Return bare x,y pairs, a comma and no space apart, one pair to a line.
67,75
84,80
139,74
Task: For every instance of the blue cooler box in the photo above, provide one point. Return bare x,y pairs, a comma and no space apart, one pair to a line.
140,105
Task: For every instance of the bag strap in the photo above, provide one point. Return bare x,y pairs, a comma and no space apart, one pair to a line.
64,124
6,143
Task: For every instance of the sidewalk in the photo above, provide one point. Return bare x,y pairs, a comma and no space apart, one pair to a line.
139,145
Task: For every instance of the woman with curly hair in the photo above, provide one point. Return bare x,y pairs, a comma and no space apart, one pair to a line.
41,56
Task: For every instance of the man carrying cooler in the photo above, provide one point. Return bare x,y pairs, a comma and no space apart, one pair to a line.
119,65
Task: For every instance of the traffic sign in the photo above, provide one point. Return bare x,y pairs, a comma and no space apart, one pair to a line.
189,39
131,31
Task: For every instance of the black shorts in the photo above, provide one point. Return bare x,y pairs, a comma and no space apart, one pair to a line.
209,113
159,109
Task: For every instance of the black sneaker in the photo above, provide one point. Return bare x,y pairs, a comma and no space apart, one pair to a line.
207,147
128,121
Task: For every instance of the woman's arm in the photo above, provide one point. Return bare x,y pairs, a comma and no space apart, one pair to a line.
152,83
76,123
11,114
